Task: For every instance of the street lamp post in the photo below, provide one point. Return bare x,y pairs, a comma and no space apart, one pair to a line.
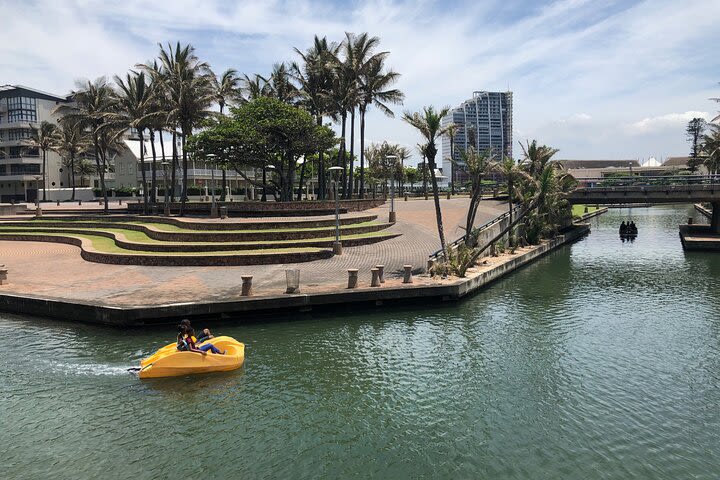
38,210
165,165
213,205
337,245
392,218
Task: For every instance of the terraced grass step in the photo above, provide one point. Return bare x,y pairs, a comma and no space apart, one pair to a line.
171,233
212,226
139,241
103,249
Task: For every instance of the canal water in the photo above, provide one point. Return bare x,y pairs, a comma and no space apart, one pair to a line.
600,361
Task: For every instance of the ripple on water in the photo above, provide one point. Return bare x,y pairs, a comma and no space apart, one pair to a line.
599,361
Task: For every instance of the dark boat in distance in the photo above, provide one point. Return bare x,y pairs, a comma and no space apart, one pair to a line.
628,230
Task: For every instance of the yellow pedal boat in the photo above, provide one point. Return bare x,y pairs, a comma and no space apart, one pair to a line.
170,362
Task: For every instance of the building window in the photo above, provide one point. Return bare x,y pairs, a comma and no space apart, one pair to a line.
22,109
19,134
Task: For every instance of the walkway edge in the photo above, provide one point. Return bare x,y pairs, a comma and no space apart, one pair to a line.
282,304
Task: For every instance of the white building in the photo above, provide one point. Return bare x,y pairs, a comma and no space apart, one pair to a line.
21,110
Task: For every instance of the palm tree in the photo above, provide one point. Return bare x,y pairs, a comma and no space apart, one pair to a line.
187,83
135,110
280,85
254,87
315,80
71,140
227,88
513,173
343,96
42,138
451,130
711,149
375,90
95,103
477,164
535,157
427,123
85,169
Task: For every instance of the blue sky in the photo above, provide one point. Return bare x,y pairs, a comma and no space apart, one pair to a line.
596,79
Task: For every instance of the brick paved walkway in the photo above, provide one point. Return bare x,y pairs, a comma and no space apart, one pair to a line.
57,271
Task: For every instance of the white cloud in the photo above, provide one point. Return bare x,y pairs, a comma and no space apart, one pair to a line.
583,72
668,121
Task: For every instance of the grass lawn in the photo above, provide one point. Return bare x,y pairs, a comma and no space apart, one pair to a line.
579,210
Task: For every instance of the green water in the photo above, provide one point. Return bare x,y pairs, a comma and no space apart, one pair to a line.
600,361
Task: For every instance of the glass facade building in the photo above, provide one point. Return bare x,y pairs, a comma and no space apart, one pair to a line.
485,122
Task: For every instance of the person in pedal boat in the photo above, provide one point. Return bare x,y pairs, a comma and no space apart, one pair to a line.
186,341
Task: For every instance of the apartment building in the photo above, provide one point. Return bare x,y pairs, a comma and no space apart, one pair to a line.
485,122
21,110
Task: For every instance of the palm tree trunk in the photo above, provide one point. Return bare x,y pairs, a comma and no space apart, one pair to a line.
510,209
452,167
321,168
438,212
72,174
264,186
153,184
142,171
352,153
162,153
44,174
174,166
223,195
185,174
362,153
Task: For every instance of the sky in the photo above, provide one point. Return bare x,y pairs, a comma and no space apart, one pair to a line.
595,79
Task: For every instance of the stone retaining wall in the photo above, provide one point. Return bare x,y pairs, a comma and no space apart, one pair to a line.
252,208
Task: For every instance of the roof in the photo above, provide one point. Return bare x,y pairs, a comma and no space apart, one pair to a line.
676,162
581,164
13,90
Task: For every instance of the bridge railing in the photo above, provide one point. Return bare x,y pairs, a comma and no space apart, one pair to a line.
647,181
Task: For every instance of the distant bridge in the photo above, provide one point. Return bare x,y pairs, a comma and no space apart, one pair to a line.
651,190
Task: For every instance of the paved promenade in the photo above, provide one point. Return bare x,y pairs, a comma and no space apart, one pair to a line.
57,271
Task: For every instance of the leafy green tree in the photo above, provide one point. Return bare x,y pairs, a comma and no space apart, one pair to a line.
412,175
694,132
264,132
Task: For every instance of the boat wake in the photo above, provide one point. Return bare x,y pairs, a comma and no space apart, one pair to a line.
89,369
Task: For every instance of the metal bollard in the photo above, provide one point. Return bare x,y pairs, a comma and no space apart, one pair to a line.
79,202
392,218
375,282
120,202
407,276
58,203
406,197
246,285
381,272
223,212
352,277
3,275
